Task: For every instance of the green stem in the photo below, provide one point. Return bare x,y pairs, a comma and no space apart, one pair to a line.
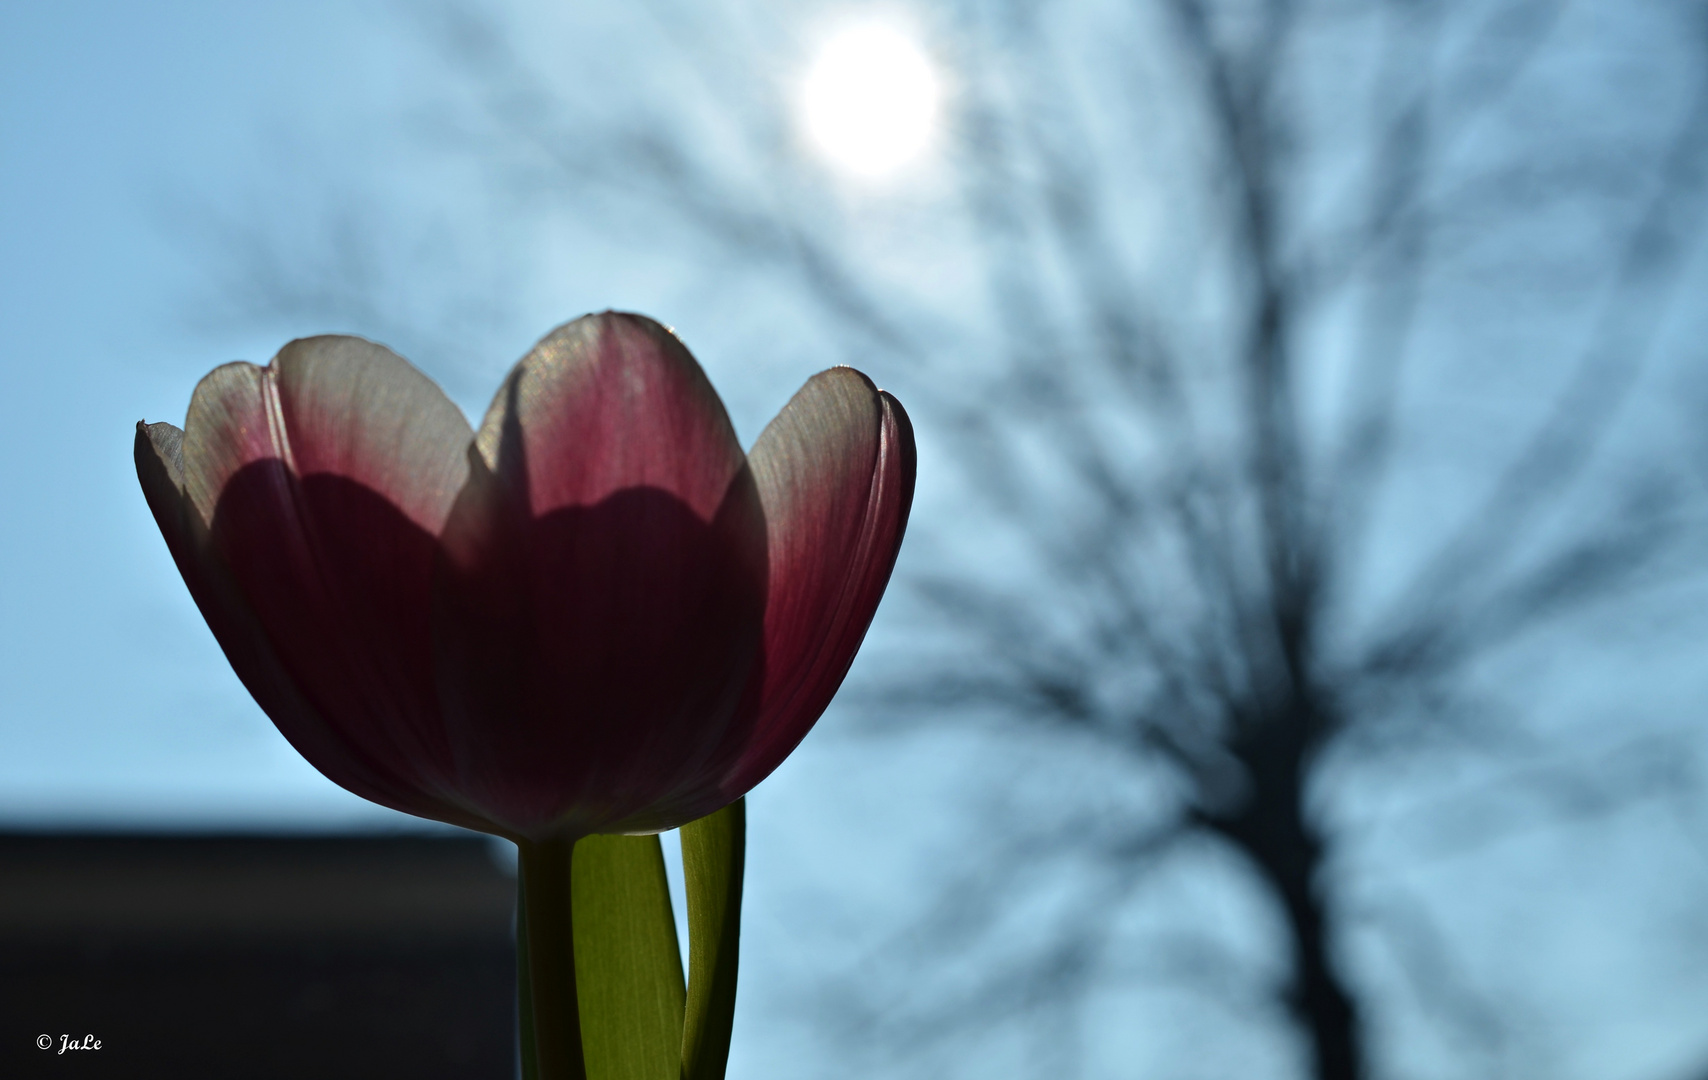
714,854
549,960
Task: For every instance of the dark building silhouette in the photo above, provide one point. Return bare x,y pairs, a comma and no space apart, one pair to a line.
256,957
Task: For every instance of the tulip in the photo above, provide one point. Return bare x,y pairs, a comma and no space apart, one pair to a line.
594,614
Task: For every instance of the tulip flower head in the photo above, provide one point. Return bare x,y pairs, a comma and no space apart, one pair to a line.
594,614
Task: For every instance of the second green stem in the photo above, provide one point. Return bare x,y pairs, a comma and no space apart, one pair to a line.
545,868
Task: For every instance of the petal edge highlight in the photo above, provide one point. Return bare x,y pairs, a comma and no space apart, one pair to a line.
836,472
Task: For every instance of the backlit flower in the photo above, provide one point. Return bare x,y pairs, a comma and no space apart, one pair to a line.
593,614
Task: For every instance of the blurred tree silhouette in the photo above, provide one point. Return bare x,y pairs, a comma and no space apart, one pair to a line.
1281,351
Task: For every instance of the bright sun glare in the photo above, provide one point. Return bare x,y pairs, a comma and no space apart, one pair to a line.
870,101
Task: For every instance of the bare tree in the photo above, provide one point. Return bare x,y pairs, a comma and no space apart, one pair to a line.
1197,244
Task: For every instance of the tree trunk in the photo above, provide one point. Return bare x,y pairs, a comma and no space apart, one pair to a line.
1271,828
1318,999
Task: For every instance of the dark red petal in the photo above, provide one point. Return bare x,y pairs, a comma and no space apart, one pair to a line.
835,471
603,591
159,467
592,661
324,478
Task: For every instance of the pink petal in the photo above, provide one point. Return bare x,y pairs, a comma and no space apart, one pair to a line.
323,478
159,466
337,405
835,471
604,590
605,403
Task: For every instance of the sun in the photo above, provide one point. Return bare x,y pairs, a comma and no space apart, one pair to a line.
870,100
